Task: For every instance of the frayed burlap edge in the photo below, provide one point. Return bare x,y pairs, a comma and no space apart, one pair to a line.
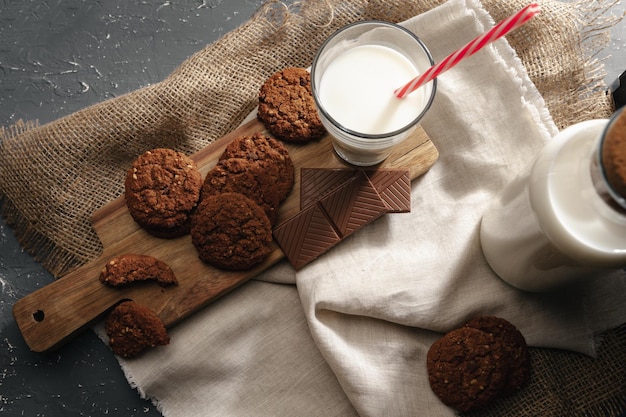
572,92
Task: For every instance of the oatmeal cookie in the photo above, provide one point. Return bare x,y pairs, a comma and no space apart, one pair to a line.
126,269
516,352
268,153
247,177
466,369
133,328
231,231
162,188
287,108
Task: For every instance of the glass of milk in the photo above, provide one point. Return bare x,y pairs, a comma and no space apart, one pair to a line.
354,76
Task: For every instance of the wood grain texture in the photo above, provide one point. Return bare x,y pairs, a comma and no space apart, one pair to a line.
51,315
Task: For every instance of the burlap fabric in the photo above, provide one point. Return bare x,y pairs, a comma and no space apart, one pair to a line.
53,177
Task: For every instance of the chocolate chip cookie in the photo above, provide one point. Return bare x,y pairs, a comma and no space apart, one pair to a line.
614,154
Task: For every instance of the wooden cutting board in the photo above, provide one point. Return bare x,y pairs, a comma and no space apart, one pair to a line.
53,314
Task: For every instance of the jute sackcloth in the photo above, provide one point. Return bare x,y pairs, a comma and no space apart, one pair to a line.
53,177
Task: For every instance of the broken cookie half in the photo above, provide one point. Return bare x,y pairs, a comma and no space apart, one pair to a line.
133,328
127,269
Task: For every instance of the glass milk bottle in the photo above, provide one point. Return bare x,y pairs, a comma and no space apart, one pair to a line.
564,220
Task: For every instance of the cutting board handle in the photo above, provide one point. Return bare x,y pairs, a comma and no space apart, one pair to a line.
51,315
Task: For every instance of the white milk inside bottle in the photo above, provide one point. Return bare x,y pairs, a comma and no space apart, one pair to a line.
555,224
357,88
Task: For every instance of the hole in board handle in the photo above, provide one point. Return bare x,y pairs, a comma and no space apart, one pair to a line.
39,315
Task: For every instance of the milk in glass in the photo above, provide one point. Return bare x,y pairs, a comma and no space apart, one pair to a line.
357,88
353,78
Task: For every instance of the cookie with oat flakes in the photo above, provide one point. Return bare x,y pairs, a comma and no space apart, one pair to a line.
516,352
239,175
287,108
133,328
162,188
124,270
231,231
466,369
270,154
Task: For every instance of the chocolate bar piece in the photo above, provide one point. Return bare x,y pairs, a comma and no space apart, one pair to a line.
393,185
316,183
321,225
353,204
306,236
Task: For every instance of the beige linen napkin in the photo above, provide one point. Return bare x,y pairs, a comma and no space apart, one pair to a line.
352,335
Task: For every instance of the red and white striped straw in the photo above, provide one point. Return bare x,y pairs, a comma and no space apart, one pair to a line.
471,48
